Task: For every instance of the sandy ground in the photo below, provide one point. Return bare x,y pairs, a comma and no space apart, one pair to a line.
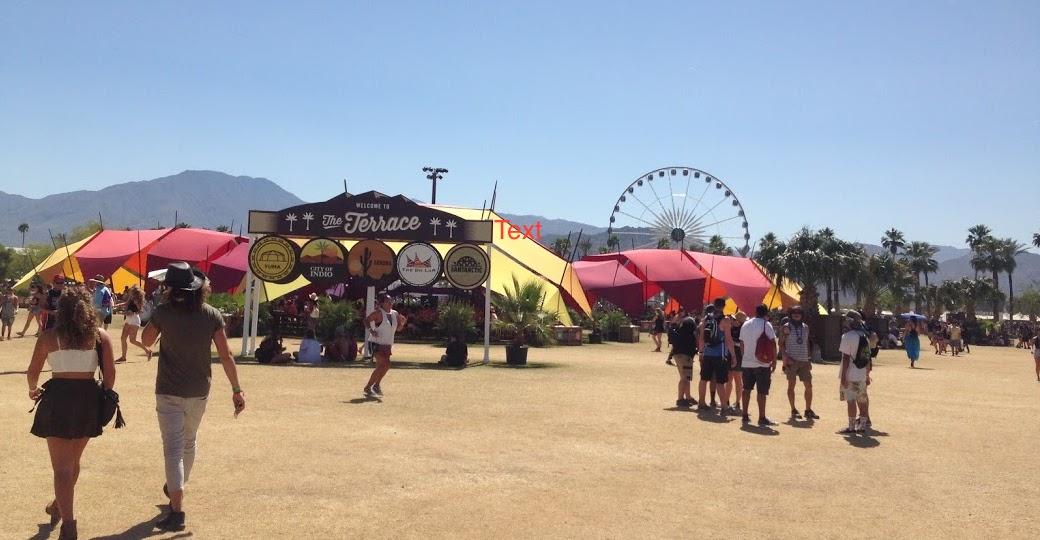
583,443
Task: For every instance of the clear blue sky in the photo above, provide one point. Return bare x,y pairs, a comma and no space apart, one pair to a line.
854,115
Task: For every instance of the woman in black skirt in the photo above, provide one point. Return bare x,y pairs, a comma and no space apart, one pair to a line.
68,407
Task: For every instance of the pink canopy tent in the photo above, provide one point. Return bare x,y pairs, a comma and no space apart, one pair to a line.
736,277
111,250
611,281
663,270
226,272
197,247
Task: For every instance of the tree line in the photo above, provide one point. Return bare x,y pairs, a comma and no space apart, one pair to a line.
899,276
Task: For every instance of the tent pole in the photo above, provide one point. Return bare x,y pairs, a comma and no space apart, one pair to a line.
247,309
487,310
255,318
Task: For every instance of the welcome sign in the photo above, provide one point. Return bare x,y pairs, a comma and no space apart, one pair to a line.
370,215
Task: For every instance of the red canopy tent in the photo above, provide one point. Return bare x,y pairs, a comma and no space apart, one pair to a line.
736,277
198,247
110,250
226,272
663,270
612,281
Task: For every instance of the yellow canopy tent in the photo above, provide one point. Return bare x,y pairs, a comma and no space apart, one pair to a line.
62,260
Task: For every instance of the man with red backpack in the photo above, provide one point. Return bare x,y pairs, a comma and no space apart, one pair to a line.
759,362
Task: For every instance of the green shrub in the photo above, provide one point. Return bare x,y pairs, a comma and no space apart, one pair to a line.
334,315
610,322
520,314
230,304
455,318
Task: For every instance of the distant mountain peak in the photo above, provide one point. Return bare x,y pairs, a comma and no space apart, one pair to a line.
202,198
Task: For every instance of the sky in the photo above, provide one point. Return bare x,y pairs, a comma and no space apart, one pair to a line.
859,116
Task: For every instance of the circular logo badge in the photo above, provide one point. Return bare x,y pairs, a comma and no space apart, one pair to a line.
323,259
419,264
372,261
466,266
273,259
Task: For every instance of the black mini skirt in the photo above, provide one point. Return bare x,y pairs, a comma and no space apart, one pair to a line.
69,409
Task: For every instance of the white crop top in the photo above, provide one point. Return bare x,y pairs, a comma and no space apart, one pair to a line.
385,332
73,360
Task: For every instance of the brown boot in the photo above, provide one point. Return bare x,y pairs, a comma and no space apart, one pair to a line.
68,531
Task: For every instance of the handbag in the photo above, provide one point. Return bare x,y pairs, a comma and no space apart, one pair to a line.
109,398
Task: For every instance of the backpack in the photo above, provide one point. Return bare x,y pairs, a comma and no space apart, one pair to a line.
712,332
863,352
765,347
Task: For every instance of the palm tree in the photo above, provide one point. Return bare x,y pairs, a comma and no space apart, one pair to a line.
1036,239
977,236
874,274
585,246
1008,249
717,246
664,243
520,313
769,255
613,242
893,241
562,247
23,228
804,261
918,256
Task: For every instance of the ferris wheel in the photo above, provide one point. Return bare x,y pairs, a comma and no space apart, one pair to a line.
685,206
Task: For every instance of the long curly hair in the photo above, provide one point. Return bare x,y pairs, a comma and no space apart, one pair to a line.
137,295
77,322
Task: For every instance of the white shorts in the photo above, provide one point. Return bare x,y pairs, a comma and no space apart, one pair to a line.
134,319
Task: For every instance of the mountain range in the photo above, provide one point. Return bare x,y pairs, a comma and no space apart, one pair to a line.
199,198
210,198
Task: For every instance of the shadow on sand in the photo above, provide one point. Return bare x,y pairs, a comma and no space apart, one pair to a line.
759,430
867,439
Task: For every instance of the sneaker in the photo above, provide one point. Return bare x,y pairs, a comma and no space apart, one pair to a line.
669,362
765,422
865,425
369,393
712,405
702,407
174,521
795,415
810,414
745,420
848,431
682,404
377,391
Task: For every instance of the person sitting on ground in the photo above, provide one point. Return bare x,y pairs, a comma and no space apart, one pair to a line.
456,354
310,349
271,350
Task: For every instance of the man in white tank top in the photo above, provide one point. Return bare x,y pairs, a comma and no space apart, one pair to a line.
383,324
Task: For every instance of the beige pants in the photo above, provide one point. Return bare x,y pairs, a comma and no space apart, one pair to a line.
179,420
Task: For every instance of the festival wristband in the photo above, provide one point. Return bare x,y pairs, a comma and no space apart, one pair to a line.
236,390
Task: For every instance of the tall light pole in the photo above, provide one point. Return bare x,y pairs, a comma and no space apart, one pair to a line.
434,174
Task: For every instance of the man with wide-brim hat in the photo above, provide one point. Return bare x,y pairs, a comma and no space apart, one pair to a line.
189,326
102,300
856,364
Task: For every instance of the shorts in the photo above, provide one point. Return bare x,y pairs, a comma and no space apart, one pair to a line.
103,316
760,377
802,370
684,363
855,391
955,343
8,320
379,348
714,368
1036,354
133,319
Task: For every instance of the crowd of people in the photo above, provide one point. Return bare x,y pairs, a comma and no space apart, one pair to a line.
738,356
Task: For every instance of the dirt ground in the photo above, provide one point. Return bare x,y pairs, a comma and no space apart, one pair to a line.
583,443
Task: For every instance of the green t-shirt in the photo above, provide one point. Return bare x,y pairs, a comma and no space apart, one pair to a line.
184,352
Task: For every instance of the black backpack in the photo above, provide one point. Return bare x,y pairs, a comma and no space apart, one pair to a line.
713,332
863,352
